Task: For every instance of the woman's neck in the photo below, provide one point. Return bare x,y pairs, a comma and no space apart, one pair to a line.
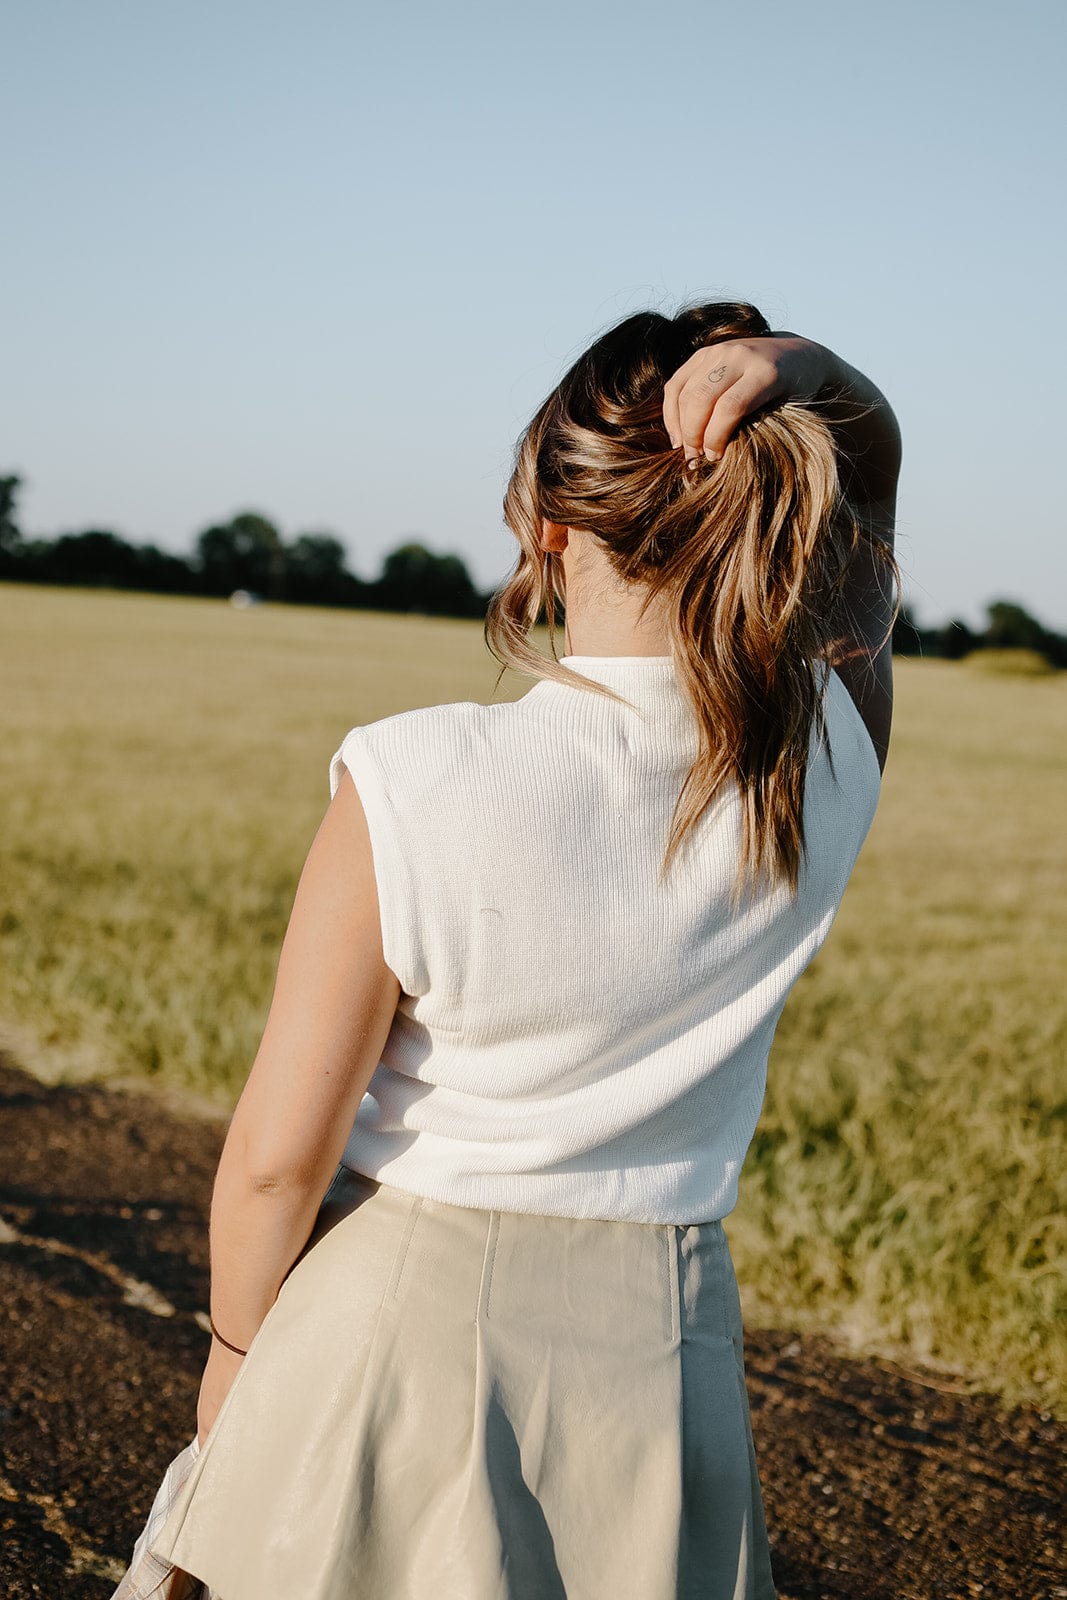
603,613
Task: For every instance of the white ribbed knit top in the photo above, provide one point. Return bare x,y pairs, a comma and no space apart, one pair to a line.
572,1037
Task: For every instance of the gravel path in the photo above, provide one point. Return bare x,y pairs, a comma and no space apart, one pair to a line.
879,1485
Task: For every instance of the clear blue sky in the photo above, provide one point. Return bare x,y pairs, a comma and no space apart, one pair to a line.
323,260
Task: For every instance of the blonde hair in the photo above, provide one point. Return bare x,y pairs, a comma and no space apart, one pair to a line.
747,559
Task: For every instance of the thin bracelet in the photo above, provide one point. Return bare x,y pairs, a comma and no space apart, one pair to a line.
226,1342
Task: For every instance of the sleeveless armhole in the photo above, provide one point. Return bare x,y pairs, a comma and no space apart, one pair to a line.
391,872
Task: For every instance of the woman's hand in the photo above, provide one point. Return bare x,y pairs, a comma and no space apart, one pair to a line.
722,383
222,1367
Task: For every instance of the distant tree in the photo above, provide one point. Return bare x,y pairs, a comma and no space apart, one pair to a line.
316,573
244,553
162,572
955,640
1012,628
1056,649
96,557
10,537
414,578
318,556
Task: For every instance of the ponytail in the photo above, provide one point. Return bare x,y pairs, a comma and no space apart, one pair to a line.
746,558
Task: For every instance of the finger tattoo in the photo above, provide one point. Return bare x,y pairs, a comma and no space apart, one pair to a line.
715,377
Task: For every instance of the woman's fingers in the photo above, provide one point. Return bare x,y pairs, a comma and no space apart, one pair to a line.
708,415
731,408
714,390
700,380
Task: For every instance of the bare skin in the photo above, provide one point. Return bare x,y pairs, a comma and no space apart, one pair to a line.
333,1006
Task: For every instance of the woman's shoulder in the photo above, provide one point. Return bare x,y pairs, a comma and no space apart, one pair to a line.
451,720
432,740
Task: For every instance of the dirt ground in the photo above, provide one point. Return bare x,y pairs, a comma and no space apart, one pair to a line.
878,1485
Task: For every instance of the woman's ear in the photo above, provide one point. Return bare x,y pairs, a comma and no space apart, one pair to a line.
553,535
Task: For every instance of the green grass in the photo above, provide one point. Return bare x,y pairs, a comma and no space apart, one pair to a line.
164,771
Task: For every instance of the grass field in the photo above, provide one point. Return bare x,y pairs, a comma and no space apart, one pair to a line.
165,768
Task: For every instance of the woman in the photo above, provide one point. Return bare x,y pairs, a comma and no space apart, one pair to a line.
522,1016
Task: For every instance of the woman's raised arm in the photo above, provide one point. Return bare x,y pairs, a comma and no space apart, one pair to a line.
723,383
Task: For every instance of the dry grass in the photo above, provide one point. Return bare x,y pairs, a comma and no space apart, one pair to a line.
165,768
1014,663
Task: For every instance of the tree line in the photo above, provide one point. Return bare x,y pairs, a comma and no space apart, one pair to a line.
249,553
1009,626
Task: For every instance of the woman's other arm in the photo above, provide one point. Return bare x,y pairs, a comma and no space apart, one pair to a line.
333,1006
866,430
869,448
